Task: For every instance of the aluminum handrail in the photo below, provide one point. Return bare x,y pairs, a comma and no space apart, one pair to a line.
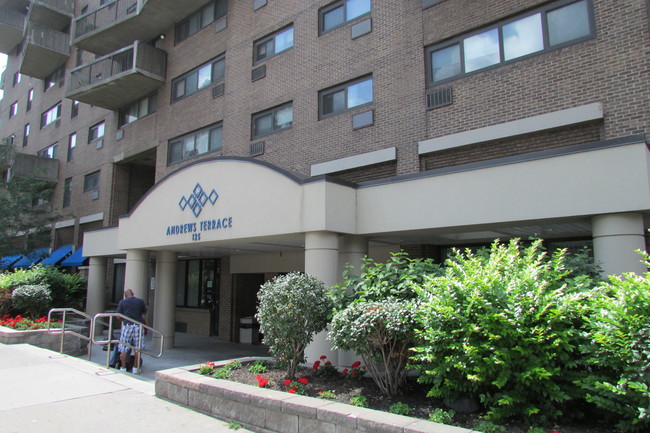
110,341
63,331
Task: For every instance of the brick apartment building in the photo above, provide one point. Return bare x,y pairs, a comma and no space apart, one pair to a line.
203,147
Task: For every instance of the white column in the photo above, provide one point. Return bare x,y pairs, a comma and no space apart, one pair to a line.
322,262
136,275
616,239
353,250
96,294
165,304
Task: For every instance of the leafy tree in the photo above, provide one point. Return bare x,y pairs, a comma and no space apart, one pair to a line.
67,290
32,300
292,309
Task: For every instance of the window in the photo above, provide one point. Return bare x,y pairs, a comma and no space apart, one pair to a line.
274,44
80,57
273,120
563,22
345,97
11,139
197,283
17,77
54,78
26,135
198,78
67,192
139,109
91,182
30,98
96,132
196,143
48,152
200,19
51,115
72,143
74,109
13,110
341,12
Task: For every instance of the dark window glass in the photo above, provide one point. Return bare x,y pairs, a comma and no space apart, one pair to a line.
346,96
91,182
200,19
196,143
67,192
198,78
273,44
524,35
341,12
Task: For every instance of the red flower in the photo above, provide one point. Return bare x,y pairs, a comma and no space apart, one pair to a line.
316,365
263,382
356,364
328,363
323,357
353,372
344,372
303,380
292,390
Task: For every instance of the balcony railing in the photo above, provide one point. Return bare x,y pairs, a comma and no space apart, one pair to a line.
118,23
115,80
12,25
105,16
54,13
44,50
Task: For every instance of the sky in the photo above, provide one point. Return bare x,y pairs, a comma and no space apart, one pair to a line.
3,64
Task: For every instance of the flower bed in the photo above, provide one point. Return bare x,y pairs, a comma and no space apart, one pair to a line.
263,410
14,330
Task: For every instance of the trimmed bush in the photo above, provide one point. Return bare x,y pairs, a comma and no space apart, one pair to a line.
292,309
503,325
376,315
33,300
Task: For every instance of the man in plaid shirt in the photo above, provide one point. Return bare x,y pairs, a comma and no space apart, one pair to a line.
133,308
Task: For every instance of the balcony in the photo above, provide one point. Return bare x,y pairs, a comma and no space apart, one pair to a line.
44,50
34,167
56,14
122,77
25,166
15,5
12,26
120,22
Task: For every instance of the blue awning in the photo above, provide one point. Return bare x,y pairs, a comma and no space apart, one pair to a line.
75,259
58,255
6,262
32,258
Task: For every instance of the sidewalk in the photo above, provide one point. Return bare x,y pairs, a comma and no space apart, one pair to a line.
44,391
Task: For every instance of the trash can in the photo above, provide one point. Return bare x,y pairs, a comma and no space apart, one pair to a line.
249,330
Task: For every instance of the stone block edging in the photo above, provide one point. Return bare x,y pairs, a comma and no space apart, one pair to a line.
42,338
269,411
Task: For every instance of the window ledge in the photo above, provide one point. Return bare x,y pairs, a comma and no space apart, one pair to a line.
555,119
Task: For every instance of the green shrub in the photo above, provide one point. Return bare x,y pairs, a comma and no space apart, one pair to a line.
504,325
375,314
68,290
222,373
292,309
5,301
378,281
258,367
32,299
382,333
400,408
442,416
486,426
359,401
618,354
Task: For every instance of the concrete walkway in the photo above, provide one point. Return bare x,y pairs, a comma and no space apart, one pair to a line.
44,391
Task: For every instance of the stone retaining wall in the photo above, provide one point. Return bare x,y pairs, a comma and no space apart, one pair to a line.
72,345
268,411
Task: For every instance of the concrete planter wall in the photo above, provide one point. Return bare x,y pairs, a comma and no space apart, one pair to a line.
263,410
41,338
